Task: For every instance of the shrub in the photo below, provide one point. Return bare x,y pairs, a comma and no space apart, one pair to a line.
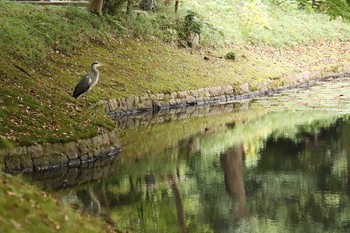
231,55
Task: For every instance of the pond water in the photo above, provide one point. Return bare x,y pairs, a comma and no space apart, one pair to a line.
275,164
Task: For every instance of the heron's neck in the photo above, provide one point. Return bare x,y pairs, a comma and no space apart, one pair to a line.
95,71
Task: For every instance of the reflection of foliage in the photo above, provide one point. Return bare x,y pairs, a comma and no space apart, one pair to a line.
251,152
292,178
275,125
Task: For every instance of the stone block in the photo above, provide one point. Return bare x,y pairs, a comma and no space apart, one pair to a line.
200,101
105,139
113,137
26,162
244,87
41,163
12,162
111,105
97,141
115,103
173,95
35,151
84,146
172,102
160,96
136,101
122,104
70,149
107,108
130,102
227,90
182,94
18,151
52,149
74,163
194,93
215,91
190,100
145,103
58,160
223,98
263,86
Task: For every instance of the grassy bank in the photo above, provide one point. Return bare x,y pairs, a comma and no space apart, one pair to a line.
45,50
26,209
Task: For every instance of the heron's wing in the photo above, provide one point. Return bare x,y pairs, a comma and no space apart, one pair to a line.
82,86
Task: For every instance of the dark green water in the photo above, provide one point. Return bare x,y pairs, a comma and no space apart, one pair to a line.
278,164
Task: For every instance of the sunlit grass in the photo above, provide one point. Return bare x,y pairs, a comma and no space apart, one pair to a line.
259,22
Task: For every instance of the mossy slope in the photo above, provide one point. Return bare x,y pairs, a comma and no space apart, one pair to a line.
26,209
46,50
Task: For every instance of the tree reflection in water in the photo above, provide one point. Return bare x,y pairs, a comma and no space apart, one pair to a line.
232,163
227,169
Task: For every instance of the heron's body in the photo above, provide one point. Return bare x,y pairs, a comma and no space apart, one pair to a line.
88,81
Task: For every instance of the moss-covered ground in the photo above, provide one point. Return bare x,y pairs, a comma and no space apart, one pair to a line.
37,105
27,209
45,50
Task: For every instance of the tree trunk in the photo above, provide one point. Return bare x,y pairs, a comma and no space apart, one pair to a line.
177,5
180,209
130,7
232,163
96,6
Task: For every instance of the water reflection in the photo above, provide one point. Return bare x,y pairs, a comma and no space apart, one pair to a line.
249,168
299,184
232,164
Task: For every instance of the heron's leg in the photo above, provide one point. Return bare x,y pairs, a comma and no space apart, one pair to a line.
86,101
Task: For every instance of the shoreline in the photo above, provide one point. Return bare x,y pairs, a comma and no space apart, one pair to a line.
43,157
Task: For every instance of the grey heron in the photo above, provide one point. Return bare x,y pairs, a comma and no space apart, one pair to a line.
87,82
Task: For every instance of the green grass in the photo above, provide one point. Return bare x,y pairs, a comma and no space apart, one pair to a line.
44,50
27,209
34,32
260,22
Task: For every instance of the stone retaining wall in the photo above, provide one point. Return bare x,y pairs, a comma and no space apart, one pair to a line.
203,96
59,178
71,154
76,154
167,115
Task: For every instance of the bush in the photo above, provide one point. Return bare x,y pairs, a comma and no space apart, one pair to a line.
191,27
231,55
